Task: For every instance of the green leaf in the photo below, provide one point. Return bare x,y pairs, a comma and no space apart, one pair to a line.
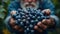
2,15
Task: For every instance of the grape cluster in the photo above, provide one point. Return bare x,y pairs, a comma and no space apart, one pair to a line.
27,19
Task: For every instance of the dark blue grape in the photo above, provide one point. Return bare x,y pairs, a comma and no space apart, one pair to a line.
27,19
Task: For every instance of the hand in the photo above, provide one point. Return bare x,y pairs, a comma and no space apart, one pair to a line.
14,26
46,11
44,24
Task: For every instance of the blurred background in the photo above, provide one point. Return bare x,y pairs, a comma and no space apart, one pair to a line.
3,13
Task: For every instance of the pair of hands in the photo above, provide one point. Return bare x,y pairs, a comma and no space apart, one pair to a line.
40,27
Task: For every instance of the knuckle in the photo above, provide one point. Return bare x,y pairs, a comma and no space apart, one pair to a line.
35,27
38,23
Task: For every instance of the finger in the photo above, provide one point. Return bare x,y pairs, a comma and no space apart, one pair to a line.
49,21
47,11
16,27
20,30
42,26
12,22
38,29
13,12
52,21
46,21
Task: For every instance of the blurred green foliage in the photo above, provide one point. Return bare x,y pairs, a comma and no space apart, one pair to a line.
57,7
3,11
